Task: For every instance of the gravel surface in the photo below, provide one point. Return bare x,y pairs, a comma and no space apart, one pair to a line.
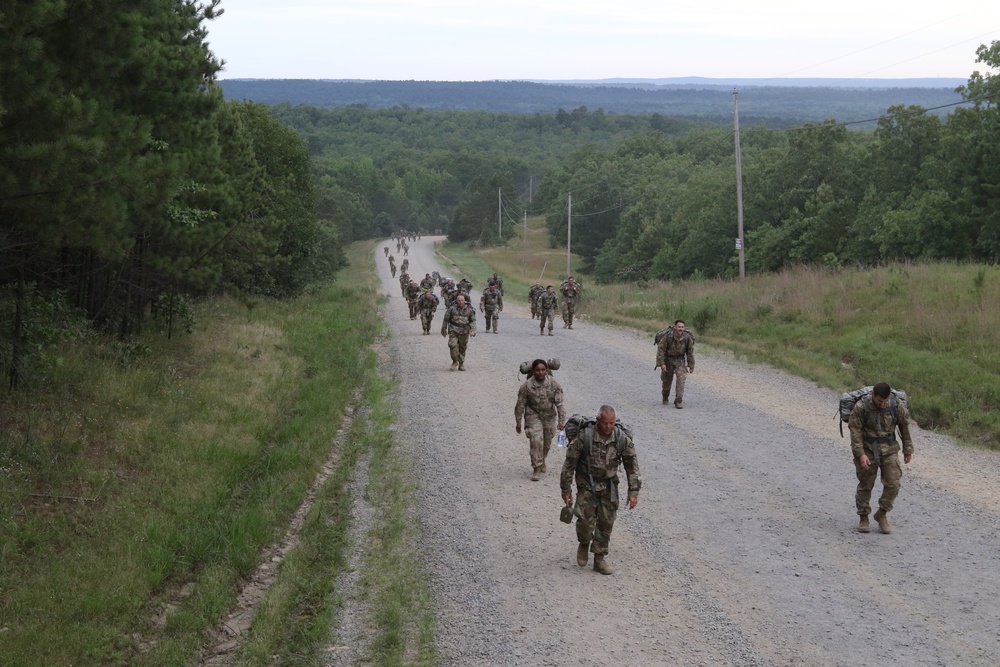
742,549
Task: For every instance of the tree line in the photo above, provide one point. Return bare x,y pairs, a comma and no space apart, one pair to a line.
128,185
916,187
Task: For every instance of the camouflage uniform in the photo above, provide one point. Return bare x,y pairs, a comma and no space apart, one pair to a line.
404,280
427,282
412,294
547,305
405,265
570,289
427,303
496,281
594,461
392,265
465,286
678,355
533,293
491,303
541,405
457,324
873,433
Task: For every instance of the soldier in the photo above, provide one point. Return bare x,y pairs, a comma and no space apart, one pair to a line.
593,457
497,281
873,424
427,282
392,266
570,289
404,280
450,292
465,286
458,324
412,294
385,249
675,357
547,305
406,263
437,278
540,403
427,303
533,293
491,303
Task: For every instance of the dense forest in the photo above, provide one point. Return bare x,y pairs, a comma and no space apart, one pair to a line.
654,196
774,105
129,185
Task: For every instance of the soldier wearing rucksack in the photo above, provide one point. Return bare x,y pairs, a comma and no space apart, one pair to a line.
873,423
674,357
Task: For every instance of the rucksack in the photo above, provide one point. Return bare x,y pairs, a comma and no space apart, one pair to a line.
849,399
669,331
577,423
553,365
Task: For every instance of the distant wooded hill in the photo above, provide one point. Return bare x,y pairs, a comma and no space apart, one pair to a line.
708,100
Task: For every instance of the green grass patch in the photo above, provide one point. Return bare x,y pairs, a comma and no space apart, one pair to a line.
130,477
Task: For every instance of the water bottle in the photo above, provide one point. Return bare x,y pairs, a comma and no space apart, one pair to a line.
561,439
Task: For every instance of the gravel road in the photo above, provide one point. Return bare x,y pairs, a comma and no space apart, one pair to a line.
742,549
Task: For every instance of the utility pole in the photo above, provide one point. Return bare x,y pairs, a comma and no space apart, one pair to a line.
530,184
500,214
739,184
569,232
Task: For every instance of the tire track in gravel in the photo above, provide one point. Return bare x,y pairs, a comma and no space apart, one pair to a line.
742,550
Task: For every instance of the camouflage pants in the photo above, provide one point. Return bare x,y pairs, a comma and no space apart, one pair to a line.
413,308
425,319
681,372
534,308
540,429
457,343
548,314
596,514
568,310
892,474
492,319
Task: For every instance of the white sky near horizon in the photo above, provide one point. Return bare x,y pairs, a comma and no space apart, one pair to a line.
483,40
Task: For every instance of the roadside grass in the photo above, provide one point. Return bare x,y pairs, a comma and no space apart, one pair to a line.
141,484
932,329
293,625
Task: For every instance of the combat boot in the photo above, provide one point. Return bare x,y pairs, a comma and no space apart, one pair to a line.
583,554
550,332
454,365
541,332
461,367
601,565
883,522
863,525
677,404
536,474
542,467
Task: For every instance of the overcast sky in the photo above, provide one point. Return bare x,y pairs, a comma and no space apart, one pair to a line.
478,40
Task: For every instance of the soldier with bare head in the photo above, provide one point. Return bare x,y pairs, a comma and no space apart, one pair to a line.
540,404
593,457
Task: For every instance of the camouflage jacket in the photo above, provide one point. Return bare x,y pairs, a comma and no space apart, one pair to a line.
569,290
497,281
491,300
543,398
547,301
428,302
594,461
412,292
427,283
674,352
876,427
533,293
459,320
